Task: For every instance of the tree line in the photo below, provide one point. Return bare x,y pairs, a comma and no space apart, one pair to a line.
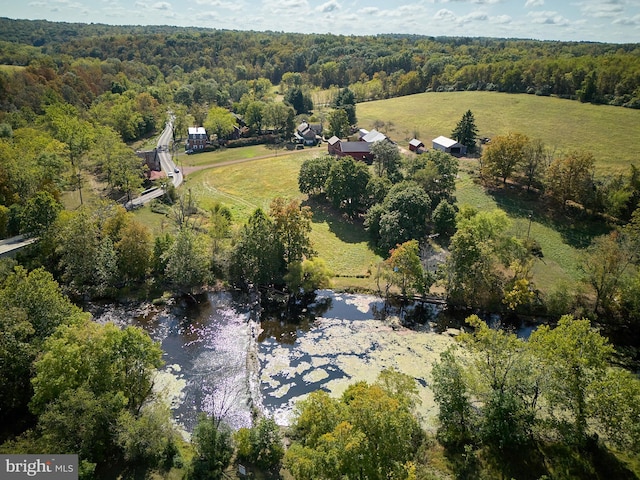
202,64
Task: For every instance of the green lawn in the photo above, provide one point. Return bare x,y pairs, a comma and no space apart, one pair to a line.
560,123
243,187
560,261
612,134
231,154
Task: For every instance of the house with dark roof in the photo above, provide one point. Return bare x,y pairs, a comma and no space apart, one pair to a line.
360,150
308,134
151,159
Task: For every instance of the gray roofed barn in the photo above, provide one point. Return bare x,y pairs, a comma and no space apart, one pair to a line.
448,145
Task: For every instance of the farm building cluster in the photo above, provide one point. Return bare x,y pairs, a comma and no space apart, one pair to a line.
361,148
311,134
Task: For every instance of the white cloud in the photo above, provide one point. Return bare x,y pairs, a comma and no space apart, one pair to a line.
501,19
600,9
533,3
219,4
161,6
285,4
444,14
475,16
370,10
477,2
633,21
330,6
210,16
548,18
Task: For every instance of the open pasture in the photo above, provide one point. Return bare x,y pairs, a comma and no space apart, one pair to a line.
612,134
243,187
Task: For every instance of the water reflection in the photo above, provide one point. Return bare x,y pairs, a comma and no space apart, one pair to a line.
226,356
206,346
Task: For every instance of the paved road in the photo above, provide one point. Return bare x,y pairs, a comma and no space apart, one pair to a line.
8,246
167,166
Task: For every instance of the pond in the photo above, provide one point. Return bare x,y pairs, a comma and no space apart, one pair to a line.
226,356
206,346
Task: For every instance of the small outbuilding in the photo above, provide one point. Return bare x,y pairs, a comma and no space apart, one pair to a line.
416,145
448,145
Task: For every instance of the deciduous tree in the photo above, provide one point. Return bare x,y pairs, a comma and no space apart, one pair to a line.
313,174
570,177
279,117
261,444
347,185
504,154
134,251
212,441
606,263
479,252
536,159
188,261
402,216
292,224
436,172
574,356
307,276
219,121
370,432
345,100
387,158
405,270
86,378
451,393
39,213
257,257
338,123
444,218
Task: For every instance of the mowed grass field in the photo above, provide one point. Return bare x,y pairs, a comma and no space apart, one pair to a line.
229,154
245,186
612,134
560,262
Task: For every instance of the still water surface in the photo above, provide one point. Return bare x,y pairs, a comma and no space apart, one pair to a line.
225,356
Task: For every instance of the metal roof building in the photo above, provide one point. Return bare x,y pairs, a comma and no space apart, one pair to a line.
448,145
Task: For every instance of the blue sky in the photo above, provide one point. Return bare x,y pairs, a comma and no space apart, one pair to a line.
615,21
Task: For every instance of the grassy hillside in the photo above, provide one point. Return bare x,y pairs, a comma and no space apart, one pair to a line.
243,187
255,182
612,134
343,244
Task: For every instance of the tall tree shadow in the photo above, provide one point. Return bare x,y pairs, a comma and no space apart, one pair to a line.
576,226
346,229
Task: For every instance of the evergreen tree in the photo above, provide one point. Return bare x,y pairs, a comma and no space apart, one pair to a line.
346,100
466,132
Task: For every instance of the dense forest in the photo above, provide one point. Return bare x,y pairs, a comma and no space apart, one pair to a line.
374,66
76,99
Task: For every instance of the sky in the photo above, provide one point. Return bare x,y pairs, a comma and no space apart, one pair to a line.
615,21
